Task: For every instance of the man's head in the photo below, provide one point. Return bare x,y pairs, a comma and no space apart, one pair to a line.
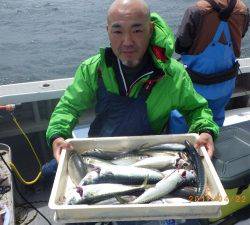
129,29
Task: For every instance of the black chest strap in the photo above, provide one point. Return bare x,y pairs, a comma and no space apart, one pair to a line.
200,78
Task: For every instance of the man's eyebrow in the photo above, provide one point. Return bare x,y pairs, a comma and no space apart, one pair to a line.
116,25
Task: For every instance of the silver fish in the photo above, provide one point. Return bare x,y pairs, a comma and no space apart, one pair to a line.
167,147
77,169
128,159
165,186
160,162
99,153
163,153
187,192
89,161
108,155
94,193
114,201
122,175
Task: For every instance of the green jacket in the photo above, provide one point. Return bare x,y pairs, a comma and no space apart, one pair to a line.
173,91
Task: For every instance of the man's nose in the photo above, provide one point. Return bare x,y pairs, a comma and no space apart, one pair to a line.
127,40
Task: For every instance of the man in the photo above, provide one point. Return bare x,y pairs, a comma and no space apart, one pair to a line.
209,40
136,84
133,85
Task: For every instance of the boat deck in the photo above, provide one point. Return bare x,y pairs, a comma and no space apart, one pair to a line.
40,198
25,214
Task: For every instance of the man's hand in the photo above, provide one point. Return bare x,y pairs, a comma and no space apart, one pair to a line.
58,145
205,140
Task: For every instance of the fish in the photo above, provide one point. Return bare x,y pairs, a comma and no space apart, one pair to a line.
99,153
166,147
190,192
185,192
110,155
163,153
77,169
89,161
198,167
121,174
93,193
128,159
160,162
165,186
114,201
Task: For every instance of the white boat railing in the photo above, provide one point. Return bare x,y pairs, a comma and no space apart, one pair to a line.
244,65
53,89
33,91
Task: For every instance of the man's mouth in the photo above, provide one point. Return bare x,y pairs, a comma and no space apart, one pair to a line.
128,52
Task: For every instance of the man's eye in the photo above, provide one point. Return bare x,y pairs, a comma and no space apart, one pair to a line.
117,32
137,31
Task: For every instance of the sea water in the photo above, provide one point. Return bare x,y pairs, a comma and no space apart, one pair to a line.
47,39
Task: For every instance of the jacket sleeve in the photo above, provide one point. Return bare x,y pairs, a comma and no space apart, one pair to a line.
195,108
247,20
79,96
187,31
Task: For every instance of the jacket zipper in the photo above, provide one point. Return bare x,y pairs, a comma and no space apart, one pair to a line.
124,81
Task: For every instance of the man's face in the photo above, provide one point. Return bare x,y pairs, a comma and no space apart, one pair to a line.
129,35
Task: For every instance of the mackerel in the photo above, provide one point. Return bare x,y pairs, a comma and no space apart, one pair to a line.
198,166
108,155
94,193
77,169
128,159
122,175
166,147
165,186
90,161
160,162
163,153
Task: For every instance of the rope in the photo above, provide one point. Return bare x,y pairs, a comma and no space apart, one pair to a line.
13,167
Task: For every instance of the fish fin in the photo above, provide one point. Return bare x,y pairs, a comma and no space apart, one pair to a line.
138,148
142,146
145,182
121,200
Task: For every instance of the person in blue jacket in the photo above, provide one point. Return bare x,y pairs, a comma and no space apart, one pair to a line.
209,40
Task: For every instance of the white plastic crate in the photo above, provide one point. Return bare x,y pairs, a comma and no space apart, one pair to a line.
129,212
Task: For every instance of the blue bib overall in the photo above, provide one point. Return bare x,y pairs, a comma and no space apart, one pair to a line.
119,115
216,58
